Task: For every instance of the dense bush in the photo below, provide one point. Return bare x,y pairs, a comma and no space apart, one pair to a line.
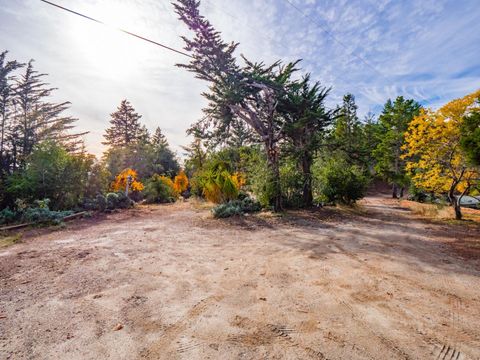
180,183
101,202
118,200
217,182
98,180
7,216
236,207
111,201
121,180
338,181
159,189
51,172
417,194
40,213
291,182
44,214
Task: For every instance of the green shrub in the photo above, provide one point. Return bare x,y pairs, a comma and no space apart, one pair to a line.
112,200
101,203
7,216
123,201
417,194
248,205
226,210
51,172
44,214
338,181
291,182
89,204
236,207
159,189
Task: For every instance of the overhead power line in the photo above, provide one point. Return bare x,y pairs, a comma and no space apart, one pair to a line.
331,35
116,28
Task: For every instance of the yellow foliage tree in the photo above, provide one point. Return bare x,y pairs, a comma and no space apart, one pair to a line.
180,183
120,182
435,160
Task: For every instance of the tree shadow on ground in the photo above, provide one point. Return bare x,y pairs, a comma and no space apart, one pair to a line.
390,232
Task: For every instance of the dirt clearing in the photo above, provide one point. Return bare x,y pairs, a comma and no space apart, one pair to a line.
169,282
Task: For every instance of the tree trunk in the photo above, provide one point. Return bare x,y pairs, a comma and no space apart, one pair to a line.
402,190
395,191
274,176
458,210
455,202
307,179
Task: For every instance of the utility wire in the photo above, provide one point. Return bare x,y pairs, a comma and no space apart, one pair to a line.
116,28
256,32
330,34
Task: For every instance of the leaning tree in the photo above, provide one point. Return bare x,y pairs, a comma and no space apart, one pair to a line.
249,93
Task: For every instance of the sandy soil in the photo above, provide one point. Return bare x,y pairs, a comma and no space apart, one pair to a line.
169,282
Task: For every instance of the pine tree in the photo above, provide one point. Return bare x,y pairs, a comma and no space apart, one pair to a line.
163,158
125,127
347,131
371,131
159,141
394,121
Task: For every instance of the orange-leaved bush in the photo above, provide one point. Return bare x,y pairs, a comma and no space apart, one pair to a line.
120,182
180,183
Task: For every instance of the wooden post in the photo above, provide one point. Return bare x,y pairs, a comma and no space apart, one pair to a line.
127,187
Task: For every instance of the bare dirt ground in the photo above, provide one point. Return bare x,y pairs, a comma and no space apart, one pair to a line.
170,282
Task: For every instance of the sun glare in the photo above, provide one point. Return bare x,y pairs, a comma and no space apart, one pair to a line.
105,48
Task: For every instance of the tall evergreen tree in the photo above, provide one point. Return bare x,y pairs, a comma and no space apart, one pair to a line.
306,120
394,121
249,94
159,140
36,119
163,158
470,136
371,129
125,127
347,132
7,93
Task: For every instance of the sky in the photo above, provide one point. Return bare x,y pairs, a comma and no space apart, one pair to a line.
375,49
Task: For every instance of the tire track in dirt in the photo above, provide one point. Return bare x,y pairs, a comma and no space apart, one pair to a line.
264,334
454,300
359,318
447,352
161,349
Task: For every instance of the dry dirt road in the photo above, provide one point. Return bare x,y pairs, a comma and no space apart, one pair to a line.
169,282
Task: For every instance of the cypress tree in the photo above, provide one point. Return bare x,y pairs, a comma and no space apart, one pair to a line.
7,93
36,119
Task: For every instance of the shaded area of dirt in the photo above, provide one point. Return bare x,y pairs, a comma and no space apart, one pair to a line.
170,282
